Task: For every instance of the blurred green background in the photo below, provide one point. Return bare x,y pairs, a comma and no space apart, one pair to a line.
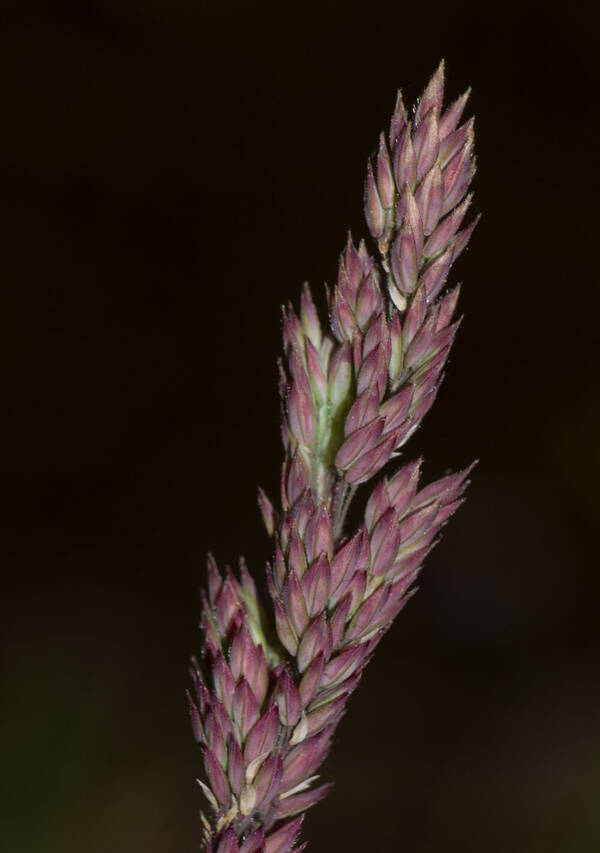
171,173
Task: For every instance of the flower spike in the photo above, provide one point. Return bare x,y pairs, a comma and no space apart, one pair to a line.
274,678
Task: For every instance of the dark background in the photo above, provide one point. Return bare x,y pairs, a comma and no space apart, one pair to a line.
171,173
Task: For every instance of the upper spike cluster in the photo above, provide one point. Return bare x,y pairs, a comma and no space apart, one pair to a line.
268,698
411,198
